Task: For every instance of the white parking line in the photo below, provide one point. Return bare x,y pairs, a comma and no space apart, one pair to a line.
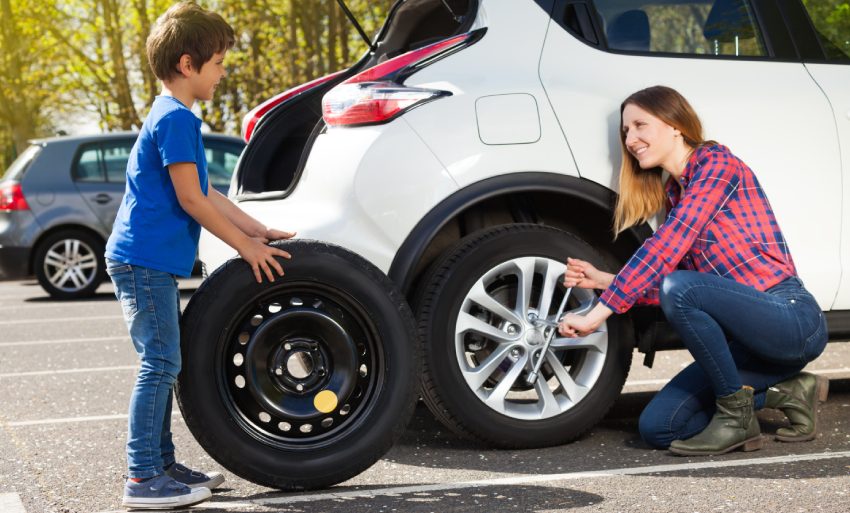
68,420
520,480
67,371
61,341
646,382
542,478
11,503
63,319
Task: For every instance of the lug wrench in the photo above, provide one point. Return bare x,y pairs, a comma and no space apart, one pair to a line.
535,371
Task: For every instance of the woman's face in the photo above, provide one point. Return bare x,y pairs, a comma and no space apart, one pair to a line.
651,141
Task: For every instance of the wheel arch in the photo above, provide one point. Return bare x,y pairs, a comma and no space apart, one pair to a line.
60,228
578,205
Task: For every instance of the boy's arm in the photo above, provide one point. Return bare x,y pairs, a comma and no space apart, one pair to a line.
261,258
249,226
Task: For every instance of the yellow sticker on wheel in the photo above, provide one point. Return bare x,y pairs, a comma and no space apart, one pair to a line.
325,401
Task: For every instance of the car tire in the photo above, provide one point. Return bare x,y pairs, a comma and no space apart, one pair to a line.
303,382
478,354
69,264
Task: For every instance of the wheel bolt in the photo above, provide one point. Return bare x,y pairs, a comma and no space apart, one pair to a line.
299,387
278,371
515,352
513,329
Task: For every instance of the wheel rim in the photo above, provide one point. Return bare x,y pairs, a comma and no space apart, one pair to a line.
70,265
300,366
497,343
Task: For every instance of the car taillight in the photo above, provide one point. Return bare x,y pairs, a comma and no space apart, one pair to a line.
12,197
377,95
249,122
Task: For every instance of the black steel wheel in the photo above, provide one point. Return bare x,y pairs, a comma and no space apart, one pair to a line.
304,382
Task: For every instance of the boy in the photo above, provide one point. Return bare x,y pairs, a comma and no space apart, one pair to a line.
155,237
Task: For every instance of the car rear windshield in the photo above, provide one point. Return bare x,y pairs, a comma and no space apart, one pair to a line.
19,166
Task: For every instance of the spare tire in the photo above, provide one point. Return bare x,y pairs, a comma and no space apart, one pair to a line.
303,382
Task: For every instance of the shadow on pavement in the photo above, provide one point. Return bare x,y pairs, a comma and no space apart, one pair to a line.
521,498
615,443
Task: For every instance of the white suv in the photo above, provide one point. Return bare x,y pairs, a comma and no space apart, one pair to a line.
469,152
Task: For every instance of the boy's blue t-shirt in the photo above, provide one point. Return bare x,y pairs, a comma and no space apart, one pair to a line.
151,229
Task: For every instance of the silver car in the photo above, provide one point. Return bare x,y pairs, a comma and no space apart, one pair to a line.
58,201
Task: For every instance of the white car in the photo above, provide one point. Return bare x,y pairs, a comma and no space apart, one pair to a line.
470,151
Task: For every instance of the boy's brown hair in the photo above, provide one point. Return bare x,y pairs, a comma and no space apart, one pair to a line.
186,28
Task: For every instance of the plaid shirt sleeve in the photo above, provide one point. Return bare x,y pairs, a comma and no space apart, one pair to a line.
714,179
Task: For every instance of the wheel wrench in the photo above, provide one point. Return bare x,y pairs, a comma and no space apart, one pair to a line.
535,371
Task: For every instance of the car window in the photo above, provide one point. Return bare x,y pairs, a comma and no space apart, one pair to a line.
221,160
719,28
831,19
115,158
19,166
88,167
103,162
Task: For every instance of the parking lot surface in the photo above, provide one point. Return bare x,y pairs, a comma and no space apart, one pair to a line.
67,369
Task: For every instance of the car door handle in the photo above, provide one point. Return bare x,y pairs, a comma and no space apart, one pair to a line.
102,198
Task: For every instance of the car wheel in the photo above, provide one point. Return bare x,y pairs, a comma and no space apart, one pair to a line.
475,318
69,264
304,382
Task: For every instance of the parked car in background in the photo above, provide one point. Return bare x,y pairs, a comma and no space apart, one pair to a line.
470,151
58,201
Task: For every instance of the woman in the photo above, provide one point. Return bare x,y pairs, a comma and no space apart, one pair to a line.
721,271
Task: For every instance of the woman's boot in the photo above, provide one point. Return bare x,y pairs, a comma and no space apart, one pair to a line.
734,425
797,398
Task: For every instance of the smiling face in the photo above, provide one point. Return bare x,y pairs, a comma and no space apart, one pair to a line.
650,140
204,82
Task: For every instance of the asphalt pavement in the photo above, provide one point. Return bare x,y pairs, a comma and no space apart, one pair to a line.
67,369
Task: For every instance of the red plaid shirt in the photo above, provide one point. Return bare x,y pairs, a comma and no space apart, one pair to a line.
719,221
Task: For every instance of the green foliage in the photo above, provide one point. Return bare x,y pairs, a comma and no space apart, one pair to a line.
61,61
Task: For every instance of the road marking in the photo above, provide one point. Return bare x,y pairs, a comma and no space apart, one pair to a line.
67,371
63,319
61,341
645,382
68,420
538,478
11,503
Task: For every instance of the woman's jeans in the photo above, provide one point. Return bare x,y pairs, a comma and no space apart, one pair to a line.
737,336
151,303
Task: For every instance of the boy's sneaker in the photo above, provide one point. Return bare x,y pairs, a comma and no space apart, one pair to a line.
193,478
161,492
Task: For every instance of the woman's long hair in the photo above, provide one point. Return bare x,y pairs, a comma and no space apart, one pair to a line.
641,190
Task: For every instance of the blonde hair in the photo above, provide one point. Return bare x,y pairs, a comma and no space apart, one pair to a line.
186,28
642,190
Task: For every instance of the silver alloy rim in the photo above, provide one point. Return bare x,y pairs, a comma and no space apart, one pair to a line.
70,265
497,342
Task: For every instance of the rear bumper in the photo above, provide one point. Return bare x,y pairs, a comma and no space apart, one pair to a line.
14,263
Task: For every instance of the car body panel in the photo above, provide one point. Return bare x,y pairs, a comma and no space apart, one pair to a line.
834,79
736,112
347,173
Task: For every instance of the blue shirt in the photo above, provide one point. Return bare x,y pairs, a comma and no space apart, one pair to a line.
151,229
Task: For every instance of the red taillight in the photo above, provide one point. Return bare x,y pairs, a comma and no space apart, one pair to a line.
377,95
12,197
249,122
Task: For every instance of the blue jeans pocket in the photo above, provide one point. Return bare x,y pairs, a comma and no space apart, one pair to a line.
123,279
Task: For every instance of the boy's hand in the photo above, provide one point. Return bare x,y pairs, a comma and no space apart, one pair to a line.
262,259
272,234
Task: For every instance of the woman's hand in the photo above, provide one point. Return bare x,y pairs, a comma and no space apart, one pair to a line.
584,275
573,325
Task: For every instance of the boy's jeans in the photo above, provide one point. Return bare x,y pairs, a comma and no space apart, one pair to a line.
737,336
151,303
